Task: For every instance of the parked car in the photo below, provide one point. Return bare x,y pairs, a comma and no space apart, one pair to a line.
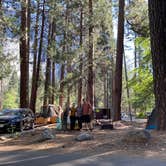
16,119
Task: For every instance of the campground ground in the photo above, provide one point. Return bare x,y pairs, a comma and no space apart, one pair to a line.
26,148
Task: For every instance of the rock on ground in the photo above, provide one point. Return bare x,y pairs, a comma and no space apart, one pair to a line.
47,134
137,136
84,137
2,138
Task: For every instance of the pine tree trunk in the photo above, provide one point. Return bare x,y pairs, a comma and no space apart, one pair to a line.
24,57
135,65
53,39
157,15
34,92
0,5
90,86
47,93
117,91
29,25
1,26
61,97
68,95
105,86
135,55
127,88
69,85
1,93
48,72
53,82
80,67
33,89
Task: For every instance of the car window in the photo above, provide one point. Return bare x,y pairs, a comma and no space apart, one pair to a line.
29,114
23,113
10,112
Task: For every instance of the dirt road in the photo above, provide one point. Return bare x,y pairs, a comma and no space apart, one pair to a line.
106,149
41,158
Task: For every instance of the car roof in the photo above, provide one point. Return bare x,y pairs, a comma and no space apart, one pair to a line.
17,109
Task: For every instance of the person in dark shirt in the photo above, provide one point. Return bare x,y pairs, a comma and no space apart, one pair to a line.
79,115
65,115
72,117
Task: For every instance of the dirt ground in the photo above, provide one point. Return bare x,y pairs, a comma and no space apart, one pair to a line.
104,141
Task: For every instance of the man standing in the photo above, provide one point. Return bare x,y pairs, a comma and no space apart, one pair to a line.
65,116
79,115
72,117
87,111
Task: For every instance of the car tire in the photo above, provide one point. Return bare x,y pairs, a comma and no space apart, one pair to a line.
10,130
32,125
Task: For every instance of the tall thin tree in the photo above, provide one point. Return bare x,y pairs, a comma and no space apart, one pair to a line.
81,59
53,37
90,85
61,97
0,5
34,92
53,82
35,45
48,71
117,88
127,88
24,56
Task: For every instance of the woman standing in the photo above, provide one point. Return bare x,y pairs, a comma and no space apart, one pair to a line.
79,115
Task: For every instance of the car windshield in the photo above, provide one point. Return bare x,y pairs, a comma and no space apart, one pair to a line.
10,112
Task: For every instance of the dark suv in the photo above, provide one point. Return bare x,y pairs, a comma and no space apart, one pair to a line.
16,119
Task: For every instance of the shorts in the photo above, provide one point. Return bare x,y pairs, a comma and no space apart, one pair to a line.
86,118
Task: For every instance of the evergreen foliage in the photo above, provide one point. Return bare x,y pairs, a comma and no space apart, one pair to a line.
61,44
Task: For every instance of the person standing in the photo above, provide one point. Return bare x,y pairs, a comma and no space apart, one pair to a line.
59,118
79,115
87,111
72,117
65,115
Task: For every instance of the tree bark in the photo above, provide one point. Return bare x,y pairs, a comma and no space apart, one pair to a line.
53,38
157,15
117,91
90,86
29,24
135,64
127,89
24,57
80,67
0,5
104,73
34,97
33,89
53,82
48,72
61,97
